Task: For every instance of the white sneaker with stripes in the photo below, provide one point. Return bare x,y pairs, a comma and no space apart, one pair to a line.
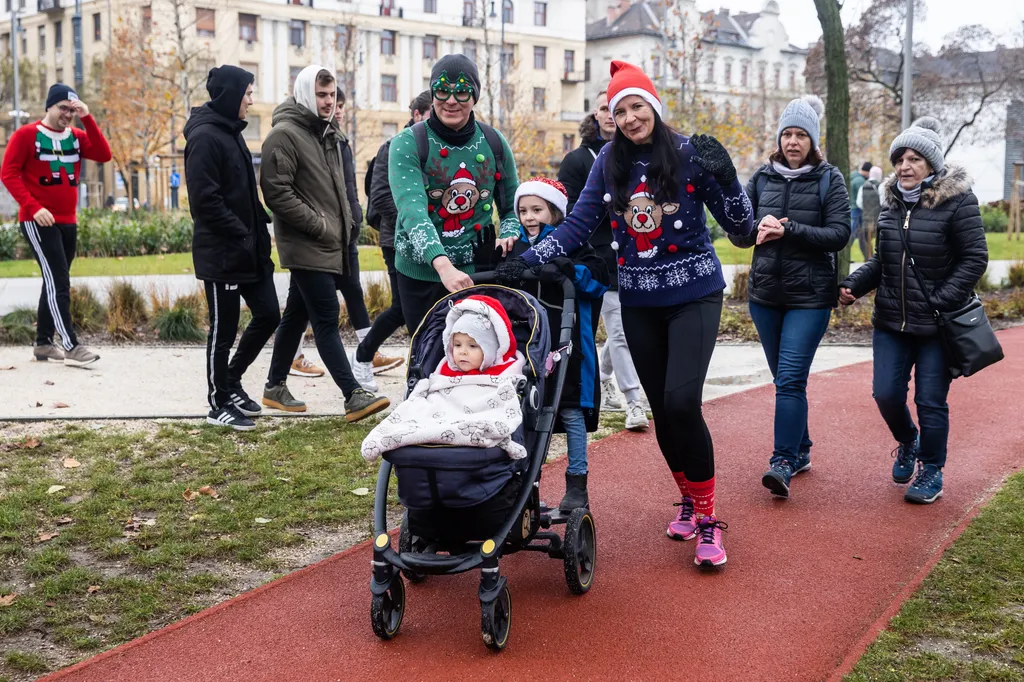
229,416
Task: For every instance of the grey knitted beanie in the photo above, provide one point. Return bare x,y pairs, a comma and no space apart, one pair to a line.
924,136
804,113
455,65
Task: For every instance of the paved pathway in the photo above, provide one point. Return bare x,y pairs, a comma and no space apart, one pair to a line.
809,580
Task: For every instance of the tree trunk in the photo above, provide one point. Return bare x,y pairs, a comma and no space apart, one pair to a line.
837,107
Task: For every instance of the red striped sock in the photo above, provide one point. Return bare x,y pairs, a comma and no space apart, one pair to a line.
703,494
684,485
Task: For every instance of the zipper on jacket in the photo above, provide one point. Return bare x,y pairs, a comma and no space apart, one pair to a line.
903,269
778,249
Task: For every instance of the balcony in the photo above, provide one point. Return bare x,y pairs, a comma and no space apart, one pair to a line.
387,10
50,6
573,116
573,77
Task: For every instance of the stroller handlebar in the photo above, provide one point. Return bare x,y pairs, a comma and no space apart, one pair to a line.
568,297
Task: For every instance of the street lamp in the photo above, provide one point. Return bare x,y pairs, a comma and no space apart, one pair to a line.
908,66
15,39
501,65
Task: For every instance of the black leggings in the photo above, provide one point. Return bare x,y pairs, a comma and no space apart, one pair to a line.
671,349
388,322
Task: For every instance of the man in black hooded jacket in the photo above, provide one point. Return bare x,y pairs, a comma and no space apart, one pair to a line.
230,242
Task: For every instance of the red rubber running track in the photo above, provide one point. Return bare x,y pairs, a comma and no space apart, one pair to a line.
808,584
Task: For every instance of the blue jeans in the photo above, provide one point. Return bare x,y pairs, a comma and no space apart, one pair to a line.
895,354
790,338
856,222
576,438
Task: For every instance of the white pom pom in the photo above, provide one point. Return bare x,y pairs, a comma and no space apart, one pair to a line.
643,178
607,198
928,123
816,104
615,246
678,224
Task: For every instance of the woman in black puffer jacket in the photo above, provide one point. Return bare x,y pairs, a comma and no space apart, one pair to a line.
803,213
932,205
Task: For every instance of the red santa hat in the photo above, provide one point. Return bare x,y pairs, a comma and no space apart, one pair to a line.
484,319
463,176
547,189
630,80
641,190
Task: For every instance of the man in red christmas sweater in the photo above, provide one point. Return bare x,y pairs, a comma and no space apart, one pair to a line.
41,170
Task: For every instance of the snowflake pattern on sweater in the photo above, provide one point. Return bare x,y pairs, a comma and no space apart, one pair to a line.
665,251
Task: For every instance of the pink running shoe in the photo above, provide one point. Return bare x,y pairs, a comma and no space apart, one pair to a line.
685,525
710,551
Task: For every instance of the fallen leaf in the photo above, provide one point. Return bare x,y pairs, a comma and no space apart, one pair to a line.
48,382
8,599
71,463
46,537
7,368
55,489
60,405
209,491
63,521
184,465
194,432
95,619
75,499
189,494
149,522
197,517
858,557
30,443
260,519
51,604
955,560
92,589
286,480
360,491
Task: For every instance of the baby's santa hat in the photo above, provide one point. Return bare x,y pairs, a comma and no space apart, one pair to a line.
484,319
547,189
462,176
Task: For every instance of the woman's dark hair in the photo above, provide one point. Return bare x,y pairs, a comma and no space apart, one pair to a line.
813,157
661,173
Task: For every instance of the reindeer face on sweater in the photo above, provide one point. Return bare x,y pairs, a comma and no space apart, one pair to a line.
643,219
458,202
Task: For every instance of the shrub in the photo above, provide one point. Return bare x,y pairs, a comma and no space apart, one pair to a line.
736,323
87,312
159,300
12,244
995,218
1015,278
179,323
195,301
19,316
985,285
126,310
368,236
377,295
16,327
740,280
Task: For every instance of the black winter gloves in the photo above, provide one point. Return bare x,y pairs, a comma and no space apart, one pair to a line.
511,271
713,158
556,267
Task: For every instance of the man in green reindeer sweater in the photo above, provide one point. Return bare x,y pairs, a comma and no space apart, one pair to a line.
448,174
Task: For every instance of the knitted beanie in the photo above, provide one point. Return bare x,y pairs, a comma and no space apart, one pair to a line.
484,319
924,136
804,113
58,93
630,80
454,67
547,189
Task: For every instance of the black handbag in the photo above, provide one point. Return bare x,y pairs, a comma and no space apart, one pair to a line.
967,335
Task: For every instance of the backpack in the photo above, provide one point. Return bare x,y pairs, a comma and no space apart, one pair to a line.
372,217
419,132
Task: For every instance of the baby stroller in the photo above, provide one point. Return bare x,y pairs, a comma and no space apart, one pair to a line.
467,507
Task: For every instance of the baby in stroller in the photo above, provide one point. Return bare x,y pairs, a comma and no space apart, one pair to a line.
470,399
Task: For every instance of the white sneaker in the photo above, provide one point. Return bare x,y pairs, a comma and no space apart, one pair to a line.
636,417
610,396
363,372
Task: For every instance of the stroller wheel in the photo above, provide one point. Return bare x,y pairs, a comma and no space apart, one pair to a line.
580,548
387,610
406,544
496,620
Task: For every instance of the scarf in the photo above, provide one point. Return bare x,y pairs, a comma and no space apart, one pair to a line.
913,195
456,138
791,173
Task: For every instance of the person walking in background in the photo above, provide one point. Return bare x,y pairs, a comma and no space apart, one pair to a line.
230,243
595,131
869,202
304,186
856,215
42,170
929,228
381,214
800,204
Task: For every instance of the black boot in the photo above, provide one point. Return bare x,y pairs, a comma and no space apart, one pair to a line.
575,493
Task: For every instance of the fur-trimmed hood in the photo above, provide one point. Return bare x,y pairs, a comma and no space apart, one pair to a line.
589,131
951,181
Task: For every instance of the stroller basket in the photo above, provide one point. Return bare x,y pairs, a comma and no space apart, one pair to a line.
450,477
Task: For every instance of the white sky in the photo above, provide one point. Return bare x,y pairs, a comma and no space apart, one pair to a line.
800,18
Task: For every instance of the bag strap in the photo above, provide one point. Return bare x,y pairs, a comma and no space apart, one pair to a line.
498,150
913,266
419,133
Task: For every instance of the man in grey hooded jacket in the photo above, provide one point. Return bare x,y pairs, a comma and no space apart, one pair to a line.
304,187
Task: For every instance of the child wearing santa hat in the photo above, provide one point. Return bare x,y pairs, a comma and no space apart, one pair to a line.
541,205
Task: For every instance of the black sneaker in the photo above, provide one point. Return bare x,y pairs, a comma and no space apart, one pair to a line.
362,404
229,416
246,405
777,478
575,493
905,456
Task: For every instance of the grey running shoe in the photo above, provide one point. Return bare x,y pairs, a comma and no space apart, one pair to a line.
362,404
280,398
610,395
47,352
80,356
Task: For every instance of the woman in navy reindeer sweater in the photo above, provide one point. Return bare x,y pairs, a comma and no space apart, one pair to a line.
654,184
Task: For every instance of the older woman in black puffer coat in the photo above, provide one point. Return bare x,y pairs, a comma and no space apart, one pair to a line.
928,205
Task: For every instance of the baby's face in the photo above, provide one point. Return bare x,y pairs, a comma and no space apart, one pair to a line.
466,352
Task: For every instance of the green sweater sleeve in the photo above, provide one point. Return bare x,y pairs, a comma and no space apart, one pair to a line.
509,225
406,179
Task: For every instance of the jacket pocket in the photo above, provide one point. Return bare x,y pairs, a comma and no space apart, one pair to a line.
240,256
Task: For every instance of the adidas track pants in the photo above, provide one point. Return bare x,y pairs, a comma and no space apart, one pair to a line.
54,249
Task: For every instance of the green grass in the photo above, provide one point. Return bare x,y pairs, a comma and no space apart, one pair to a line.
298,474
966,621
168,264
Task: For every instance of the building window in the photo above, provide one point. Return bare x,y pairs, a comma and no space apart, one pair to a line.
430,6
60,74
792,79
97,27
540,57
507,13
58,35
745,74
540,14
586,70
709,77
568,143
205,22
387,43
254,69
252,127
508,57
42,42
777,77
296,34
293,73
430,47
468,11
728,72
469,49
386,7
762,69
570,61
247,27
341,39
389,130
539,97
147,19
389,88
656,66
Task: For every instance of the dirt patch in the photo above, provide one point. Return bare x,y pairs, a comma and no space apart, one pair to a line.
956,650
35,642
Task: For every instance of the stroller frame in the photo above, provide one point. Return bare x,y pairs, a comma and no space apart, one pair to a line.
576,547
